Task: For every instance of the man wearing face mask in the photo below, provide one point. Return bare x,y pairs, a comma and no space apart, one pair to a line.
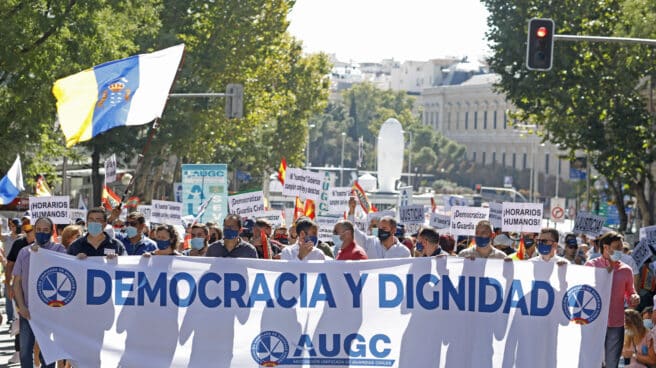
622,290
547,247
231,246
384,244
42,239
262,230
483,248
305,248
343,240
198,243
96,242
428,240
530,250
133,238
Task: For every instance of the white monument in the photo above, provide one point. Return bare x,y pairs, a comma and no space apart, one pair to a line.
390,155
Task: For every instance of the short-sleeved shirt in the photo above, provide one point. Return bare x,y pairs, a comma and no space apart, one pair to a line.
22,267
473,252
108,246
241,250
19,244
142,246
621,289
290,253
351,252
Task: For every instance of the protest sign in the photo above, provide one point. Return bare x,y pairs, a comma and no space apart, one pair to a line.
247,205
323,205
338,198
176,312
522,217
496,214
648,232
439,221
110,169
464,219
274,217
379,214
642,251
302,183
405,197
146,210
166,212
326,225
413,214
78,214
54,207
450,201
588,223
203,181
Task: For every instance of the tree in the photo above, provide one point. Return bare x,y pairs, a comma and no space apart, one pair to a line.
589,101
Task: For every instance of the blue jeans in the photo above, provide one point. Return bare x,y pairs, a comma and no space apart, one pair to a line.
9,307
27,346
613,346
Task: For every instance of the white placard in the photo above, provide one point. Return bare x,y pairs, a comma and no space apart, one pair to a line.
557,211
588,224
464,219
289,217
439,221
78,213
450,201
323,205
641,252
248,205
496,214
54,207
338,198
274,217
405,197
110,169
326,225
413,214
362,224
302,183
166,212
522,217
379,214
648,232
147,211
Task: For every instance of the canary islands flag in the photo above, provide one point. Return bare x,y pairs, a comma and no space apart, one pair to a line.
131,91
12,183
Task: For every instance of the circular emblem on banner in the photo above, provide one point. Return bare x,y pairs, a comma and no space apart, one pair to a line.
582,304
56,286
269,348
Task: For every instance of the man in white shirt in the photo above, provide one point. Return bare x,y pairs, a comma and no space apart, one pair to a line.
305,247
547,247
385,244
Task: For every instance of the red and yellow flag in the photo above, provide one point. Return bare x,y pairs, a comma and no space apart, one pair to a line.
433,204
310,208
521,250
299,209
367,206
132,202
282,170
110,199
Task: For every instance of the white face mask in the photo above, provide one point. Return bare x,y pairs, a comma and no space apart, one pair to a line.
616,255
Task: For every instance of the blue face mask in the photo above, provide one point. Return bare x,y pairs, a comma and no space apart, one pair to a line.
482,241
197,243
313,239
230,234
374,232
544,248
95,228
163,244
648,323
419,247
131,231
337,241
42,238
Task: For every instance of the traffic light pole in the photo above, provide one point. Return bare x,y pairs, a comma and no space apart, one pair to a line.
576,38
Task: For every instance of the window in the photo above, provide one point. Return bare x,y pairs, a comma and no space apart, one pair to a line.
514,160
494,158
483,157
448,121
485,120
546,164
505,121
475,120
458,120
503,159
466,120
437,121
474,156
495,120
524,162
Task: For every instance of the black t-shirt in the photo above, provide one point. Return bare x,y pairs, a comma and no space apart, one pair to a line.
81,245
241,250
19,244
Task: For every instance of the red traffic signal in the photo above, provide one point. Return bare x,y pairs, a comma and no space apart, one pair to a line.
539,50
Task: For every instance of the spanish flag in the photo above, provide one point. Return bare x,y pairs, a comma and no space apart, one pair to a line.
521,250
299,209
282,171
367,206
110,199
130,91
42,189
310,209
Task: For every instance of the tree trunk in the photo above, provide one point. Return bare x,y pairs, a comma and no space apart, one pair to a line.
616,186
638,189
96,183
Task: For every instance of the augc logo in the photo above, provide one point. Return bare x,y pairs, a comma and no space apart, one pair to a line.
269,348
582,304
56,286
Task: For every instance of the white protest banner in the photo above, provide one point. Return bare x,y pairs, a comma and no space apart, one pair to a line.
450,201
496,214
274,217
557,209
54,207
405,197
648,232
338,198
326,225
641,252
188,311
323,205
413,214
377,215
110,169
147,211
522,217
439,221
248,205
464,219
303,183
77,214
166,212
588,224
362,224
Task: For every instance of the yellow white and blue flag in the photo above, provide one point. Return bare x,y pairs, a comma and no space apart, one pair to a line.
12,183
130,91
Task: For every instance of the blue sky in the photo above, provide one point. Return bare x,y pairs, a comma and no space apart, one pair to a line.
371,30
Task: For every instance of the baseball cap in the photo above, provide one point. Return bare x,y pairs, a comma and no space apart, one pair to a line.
502,240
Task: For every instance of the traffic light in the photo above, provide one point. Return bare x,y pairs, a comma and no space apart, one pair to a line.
539,51
234,107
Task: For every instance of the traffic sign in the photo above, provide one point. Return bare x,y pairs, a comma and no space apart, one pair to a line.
557,209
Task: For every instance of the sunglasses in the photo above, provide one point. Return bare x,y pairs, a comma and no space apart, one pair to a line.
132,223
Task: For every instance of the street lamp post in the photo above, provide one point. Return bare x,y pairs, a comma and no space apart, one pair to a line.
307,148
341,167
526,129
409,158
